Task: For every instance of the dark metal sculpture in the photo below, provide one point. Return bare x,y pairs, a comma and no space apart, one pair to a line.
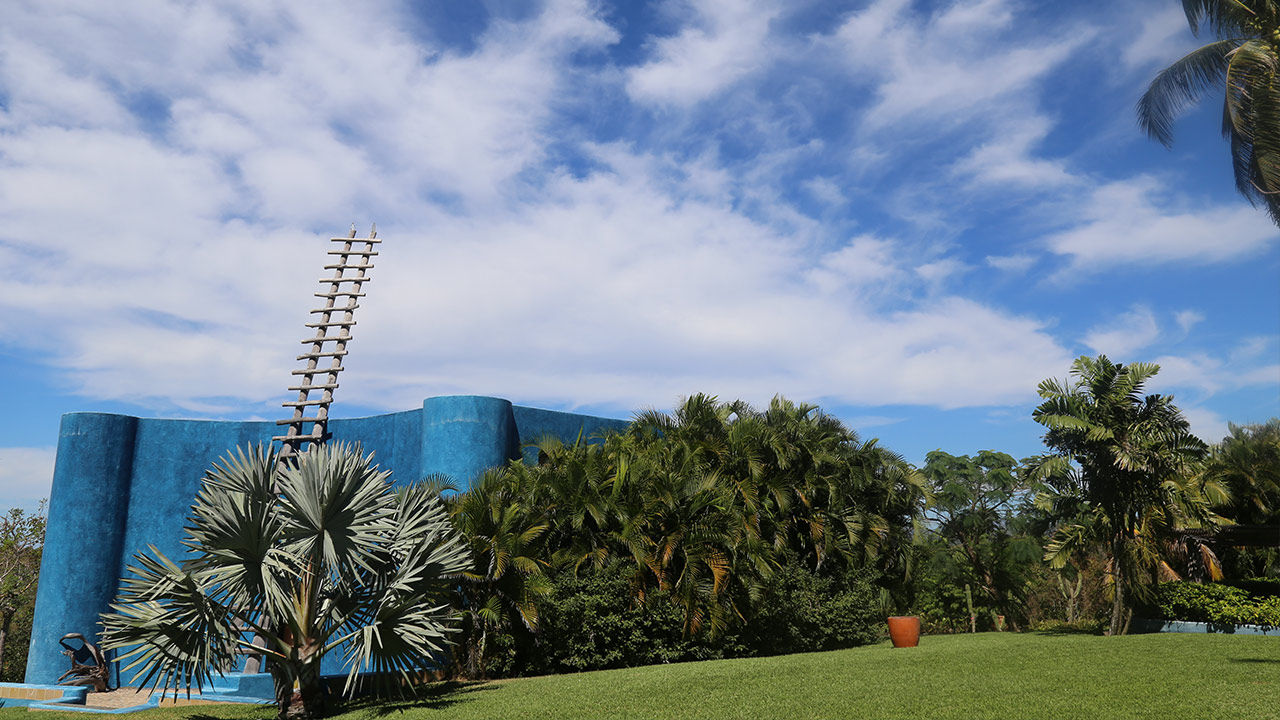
89,667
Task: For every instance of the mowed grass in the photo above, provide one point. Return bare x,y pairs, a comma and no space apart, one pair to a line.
989,675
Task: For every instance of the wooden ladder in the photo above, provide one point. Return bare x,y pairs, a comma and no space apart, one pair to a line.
304,428
340,285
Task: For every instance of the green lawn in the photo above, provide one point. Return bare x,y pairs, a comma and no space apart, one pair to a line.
990,675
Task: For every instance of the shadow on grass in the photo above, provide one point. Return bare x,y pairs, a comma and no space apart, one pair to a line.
1256,660
437,696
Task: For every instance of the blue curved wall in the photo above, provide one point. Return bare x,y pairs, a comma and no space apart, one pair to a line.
122,483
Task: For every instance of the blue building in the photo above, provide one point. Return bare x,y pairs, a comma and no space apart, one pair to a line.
122,483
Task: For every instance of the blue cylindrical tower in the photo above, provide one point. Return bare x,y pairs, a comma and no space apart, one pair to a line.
88,509
464,435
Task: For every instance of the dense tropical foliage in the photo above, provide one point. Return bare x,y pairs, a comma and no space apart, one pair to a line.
699,513
1242,63
21,542
313,554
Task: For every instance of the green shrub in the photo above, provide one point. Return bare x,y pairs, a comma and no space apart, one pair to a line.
592,621
1216,603
801,611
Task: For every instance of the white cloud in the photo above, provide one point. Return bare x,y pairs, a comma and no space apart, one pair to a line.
950,65
26,474
726,41
1209,374
1011,263
825,189
1206,424
1188,319
647,301
865,261
1134,221
1122,336
940,270
1007,159
1164,37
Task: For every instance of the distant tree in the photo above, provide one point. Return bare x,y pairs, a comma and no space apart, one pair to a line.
1247,463
1243,62
1136,456
314,554
974,514
21,540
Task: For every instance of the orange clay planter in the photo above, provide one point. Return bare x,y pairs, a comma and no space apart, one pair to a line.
904,631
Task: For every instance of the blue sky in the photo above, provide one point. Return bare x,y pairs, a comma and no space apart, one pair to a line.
908,212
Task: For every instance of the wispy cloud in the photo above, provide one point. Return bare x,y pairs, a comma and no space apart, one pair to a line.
1136,221
26,474
725,41
1126,334
952,64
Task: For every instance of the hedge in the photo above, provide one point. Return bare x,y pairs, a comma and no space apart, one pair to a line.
1220,603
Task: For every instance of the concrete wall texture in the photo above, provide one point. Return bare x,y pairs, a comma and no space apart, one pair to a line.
122,483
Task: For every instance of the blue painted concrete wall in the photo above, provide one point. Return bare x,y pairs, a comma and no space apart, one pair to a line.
122,483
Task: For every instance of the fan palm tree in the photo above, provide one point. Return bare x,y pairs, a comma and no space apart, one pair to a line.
313,555
1135,455
1244,60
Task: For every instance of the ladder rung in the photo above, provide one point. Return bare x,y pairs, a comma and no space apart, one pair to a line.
304,403
357,279
316,371
343,266
332,323
347,308
302,420
339,293
375,241
324,386
299,438
328,353
352,252
326,338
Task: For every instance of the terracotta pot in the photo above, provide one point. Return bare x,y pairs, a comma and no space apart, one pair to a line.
904,630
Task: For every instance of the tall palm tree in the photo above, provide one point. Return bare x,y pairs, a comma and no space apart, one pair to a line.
316,554
1243,60
1135,455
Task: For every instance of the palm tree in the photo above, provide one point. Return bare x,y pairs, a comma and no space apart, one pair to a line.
507,577
1135,455
1244,59
313,555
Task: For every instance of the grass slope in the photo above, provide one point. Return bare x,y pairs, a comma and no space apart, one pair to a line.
990,675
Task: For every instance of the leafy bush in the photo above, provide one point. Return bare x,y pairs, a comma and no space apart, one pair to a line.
800,611
1216,603
591,621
